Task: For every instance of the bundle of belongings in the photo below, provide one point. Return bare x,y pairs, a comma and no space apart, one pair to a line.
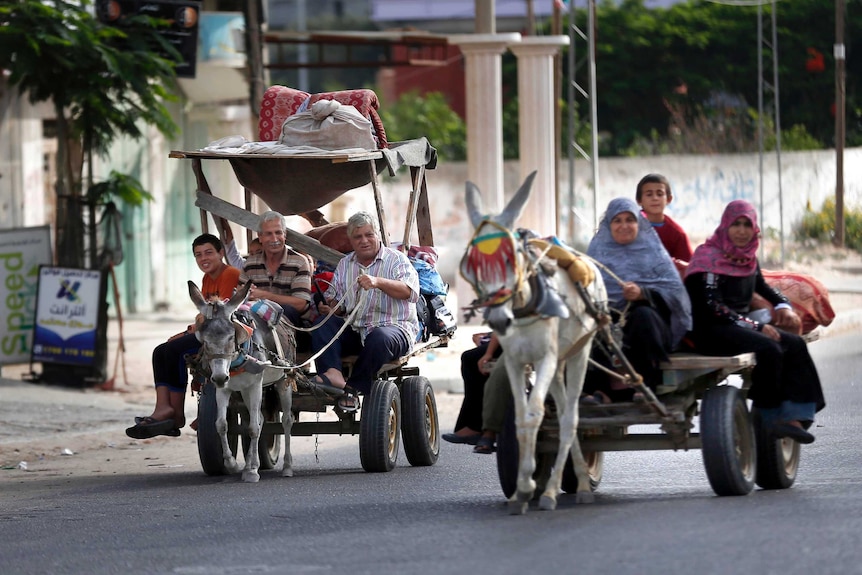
809,298
434,317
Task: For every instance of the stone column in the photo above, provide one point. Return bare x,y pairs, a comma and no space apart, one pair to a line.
537,141
484,92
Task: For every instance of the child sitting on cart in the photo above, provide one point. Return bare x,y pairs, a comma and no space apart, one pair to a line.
169,364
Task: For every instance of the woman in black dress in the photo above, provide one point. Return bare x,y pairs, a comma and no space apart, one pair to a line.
721,280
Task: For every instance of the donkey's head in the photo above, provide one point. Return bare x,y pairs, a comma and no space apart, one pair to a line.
493,263
219,335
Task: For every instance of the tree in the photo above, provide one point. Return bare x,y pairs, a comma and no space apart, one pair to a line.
103,81
413,116
686,54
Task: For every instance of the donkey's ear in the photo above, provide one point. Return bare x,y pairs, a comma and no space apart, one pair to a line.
515,206
238,298
196,295
473,200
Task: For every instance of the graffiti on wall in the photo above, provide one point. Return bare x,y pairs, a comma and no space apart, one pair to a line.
716,189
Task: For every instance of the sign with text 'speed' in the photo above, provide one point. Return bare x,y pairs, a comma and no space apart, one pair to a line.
67,316
22,251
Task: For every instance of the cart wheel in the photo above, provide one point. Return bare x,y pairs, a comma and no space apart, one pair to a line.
777,458
507,454
595,469
269,445
379,427
421,427
508,458
209,444
727,436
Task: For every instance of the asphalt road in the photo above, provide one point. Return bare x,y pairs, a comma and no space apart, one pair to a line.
147,508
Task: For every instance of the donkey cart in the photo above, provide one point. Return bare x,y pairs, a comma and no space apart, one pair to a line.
401,404
738,453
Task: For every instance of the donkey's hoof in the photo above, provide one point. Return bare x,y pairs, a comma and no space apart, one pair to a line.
547,503
287,472
585,497
251,476
517,507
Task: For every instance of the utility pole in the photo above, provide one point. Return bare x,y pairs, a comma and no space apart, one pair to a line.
839,122
254,56
557,30
485,17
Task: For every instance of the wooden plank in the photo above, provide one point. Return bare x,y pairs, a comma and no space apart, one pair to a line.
250,220
378,202
695,361
423,214
335,157
412,206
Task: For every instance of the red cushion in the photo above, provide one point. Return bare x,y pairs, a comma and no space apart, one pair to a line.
278,103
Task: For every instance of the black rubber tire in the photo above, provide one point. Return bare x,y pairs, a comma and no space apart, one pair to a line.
380,428
595,468
269,445
209,444
508,458
420,429
777,458
728,444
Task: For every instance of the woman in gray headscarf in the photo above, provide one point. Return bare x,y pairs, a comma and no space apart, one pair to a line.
646,295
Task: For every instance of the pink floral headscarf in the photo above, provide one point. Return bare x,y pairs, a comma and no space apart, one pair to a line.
721,256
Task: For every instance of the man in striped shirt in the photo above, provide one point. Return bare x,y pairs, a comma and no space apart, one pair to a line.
383,284
281,275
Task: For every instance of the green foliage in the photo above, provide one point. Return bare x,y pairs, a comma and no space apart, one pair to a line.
821,225
648,57
120,187
511,126
414,116
103,81
103,78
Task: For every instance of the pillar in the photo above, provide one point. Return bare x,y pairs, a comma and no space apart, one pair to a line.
537,142
484,93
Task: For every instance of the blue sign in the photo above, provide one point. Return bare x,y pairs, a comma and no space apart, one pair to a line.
67,313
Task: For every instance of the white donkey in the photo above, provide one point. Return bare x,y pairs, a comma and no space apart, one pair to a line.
539,325
221,337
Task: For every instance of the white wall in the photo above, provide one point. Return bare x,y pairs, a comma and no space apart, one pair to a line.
702,186
22,191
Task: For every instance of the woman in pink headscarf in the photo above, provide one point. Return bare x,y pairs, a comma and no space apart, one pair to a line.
721,279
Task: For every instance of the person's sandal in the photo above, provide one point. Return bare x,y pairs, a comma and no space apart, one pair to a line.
485,445
349,402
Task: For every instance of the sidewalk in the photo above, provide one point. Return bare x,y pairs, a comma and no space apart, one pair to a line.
41,420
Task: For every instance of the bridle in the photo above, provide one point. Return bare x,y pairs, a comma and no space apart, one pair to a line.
496,257
237,357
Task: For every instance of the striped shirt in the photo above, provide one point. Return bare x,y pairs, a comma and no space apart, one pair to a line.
381,309
293,276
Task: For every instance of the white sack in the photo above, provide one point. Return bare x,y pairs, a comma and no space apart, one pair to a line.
329,125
